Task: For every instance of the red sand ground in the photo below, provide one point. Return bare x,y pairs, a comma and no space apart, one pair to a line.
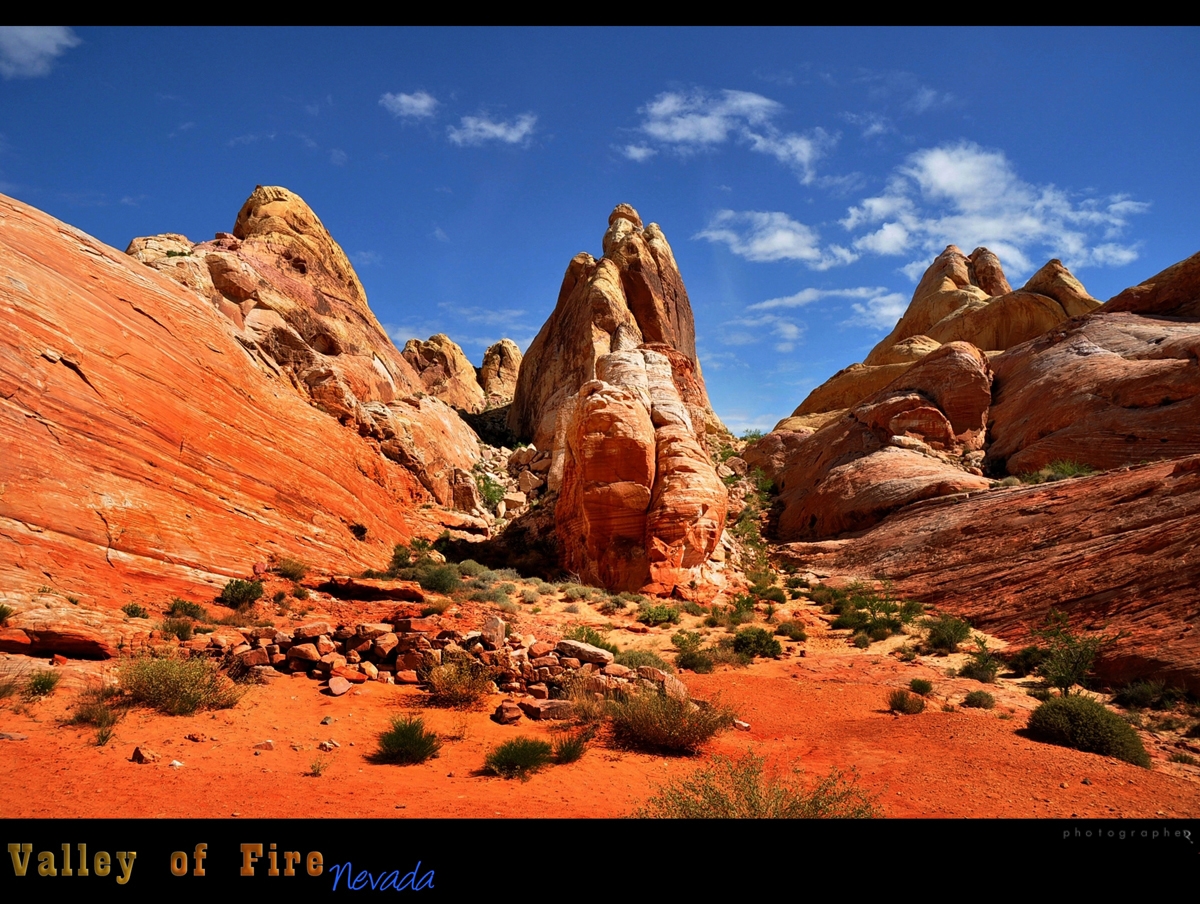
818,712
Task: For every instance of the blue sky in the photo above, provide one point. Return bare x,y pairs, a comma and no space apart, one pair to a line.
804,177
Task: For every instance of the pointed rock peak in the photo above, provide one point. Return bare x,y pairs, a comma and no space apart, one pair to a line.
1057,282
985,271
625,212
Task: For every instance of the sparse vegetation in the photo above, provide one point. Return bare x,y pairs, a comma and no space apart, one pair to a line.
1057,470
99,708
756,642
741,789
181,608
792,630
490,490
1147,695
658,615
901,701
632,659
979,700
589,635
519,758
460,681
177,685
1185,758
1082,723
983,664
439,579
179,628
690,656
1026,661
653,720
239,594
921,686
292,569
1069,658
946,632
41,683
5,613
570,747
133,610
407,742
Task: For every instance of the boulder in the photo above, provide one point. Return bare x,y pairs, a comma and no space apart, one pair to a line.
445,372
498,375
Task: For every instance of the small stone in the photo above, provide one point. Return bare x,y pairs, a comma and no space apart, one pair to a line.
265,745
175,764
338,685
197,737
328,720
12,736
141,755
58,659
740,725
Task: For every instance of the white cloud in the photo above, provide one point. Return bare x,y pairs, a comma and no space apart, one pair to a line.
808,296
252,138
638,152
338,157
366,258
748,330
27,51
440,234
969,196
688,122
410,106
880,312
478,129
773,236
491,316
872,124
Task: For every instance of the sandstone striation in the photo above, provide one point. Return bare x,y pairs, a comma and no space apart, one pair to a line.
1115,552
149,453
630,297
289,296
901,445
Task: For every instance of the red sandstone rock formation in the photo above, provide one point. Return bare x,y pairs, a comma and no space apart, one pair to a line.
896,447
1118,387
445,372
632,296
290,297
498,375
1115,552
146,452
959,298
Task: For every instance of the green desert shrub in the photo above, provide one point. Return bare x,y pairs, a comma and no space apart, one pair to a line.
292,569
792,630
773,594
1145,694
469,568
921,686
589,635
756,642
983,664
570,747
241,594
1082,723
658,615
177,685
1026,661
5,613
41,684
519,758
690,656
741,789
439,578
901,701
631,659
407,742
979,700
133,610
655,721
946,632
1069,656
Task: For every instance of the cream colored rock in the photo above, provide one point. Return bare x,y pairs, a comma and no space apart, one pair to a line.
445,372
498,375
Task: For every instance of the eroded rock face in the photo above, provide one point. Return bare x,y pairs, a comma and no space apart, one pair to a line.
641,507
1116,388
498,375
147,453
903,444
1115,552
960,298
291,298
445,372
630,297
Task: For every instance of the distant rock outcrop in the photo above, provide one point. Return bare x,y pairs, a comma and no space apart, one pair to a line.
1119,387
960,298
291,298
498,375
146,450
445,372
632,297
901,445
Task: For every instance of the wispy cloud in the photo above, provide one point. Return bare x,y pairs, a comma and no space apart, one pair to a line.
872,124
638,152
690,122
366,258
749,330
338,157
968,195
475,130
906,91
181,128
440,234
876,295
878,313
490,316
252,138
773,236
420,105
29,51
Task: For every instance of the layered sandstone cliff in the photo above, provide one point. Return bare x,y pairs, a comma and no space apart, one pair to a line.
289,296
148,449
